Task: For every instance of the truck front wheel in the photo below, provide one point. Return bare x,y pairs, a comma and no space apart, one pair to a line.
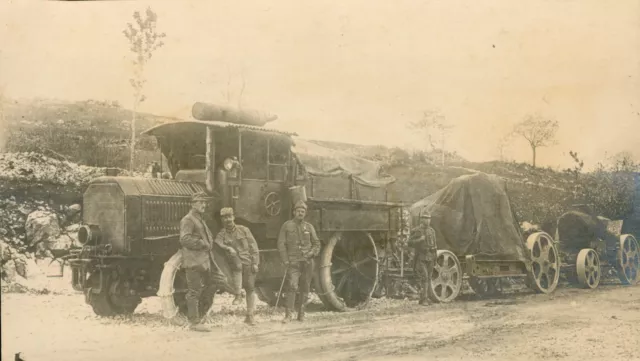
173,289
100,297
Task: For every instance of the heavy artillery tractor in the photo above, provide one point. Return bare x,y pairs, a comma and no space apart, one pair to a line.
130,230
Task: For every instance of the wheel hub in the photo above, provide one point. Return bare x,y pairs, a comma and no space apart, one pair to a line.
445,276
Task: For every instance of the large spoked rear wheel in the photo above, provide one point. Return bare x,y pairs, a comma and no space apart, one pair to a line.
348,271
446,277
545,263
173,291
628,263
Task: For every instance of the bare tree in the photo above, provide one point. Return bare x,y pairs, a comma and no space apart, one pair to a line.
144,40
435,129
578,165
3,125
538,131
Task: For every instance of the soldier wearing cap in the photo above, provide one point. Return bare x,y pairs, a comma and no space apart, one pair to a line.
242,252
298,245
203,274
423,239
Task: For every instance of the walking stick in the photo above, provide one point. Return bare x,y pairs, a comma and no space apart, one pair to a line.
281,285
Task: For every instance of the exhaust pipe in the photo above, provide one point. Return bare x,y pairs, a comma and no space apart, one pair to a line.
210,161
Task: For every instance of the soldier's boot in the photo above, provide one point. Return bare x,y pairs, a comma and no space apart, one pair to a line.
237,287
194,317
301,310
251,305
291,301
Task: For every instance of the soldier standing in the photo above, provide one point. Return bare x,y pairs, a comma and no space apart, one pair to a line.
423,239
298,245
203,274
242,251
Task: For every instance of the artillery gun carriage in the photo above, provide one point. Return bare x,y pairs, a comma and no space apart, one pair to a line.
591,246
479,239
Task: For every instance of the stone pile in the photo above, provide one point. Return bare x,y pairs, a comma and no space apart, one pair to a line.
32,231
38,168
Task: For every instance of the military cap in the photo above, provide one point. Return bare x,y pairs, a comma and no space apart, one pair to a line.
425,214
300,204
227,211
200,196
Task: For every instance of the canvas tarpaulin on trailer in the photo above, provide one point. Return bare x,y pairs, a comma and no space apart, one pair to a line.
472,215
321,161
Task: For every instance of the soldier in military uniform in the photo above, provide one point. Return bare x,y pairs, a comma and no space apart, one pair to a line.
423,239
298,245
203,274
242,252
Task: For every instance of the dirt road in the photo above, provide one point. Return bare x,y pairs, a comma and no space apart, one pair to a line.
571,324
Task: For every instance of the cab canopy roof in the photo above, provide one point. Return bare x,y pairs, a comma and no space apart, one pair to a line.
197,128
316,159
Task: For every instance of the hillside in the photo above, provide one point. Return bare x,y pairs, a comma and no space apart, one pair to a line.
96,134
89,132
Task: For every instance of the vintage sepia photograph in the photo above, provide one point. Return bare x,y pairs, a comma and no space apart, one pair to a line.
335,180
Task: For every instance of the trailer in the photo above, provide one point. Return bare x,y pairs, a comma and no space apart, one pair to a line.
479,239
592,245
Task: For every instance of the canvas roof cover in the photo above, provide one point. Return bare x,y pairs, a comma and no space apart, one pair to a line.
322,161
472,215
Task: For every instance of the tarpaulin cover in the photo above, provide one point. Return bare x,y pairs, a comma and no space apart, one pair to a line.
472,215
578,228
321,161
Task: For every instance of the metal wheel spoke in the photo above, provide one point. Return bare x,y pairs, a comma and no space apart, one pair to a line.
342,282
368,259
362,274
547,252
343,260
340,270
450,289
445,260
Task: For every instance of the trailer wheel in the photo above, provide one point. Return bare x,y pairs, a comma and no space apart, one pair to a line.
588,268
446,277
485,287
628,262
348,271
173,289
545,263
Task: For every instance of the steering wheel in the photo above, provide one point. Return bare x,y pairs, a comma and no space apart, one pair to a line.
272,204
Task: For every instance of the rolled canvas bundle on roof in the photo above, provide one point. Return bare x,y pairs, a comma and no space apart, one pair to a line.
321,161
472,215
208,111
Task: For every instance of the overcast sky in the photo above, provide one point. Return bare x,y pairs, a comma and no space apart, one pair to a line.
354,71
